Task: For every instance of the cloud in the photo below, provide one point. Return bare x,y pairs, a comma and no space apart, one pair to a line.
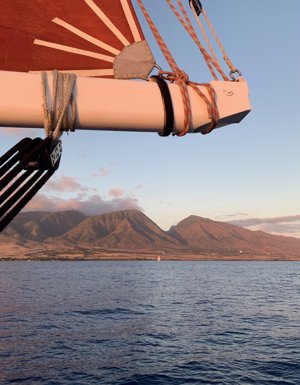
103,172
286,225
91,205
116,192
66,183
256,221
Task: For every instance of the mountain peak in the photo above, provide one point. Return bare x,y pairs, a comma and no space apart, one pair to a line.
131,231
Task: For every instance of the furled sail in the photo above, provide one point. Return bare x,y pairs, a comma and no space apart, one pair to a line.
87,37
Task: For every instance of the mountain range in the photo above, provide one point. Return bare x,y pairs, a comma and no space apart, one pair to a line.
130,234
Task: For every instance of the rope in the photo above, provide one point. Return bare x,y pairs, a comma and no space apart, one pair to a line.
225,56
191,31
179,77
61,114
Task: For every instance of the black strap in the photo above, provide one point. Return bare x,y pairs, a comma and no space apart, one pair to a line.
168,105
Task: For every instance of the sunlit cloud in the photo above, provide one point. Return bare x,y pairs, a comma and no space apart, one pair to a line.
66,183
116,192
91,205
286,225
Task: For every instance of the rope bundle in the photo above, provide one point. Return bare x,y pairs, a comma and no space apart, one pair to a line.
60,112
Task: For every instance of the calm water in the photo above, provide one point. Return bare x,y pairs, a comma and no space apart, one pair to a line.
149,323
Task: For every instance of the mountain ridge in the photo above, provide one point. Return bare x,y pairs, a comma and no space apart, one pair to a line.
129,232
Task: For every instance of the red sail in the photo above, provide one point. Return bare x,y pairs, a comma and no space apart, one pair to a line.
41,35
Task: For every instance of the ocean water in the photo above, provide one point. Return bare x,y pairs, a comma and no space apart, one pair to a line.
127,323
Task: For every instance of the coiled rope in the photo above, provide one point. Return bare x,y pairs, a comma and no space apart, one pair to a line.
60,113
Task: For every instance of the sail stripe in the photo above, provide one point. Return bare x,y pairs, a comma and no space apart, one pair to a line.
88,73
77,51
131,21
107,22
85,36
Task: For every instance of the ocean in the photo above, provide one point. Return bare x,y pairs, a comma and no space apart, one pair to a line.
139,322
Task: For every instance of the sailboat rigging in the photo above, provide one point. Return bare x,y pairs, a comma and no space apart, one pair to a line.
67,65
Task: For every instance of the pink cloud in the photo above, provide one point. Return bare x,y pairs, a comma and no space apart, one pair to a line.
66,183
116,192
287,225
92,205
102,172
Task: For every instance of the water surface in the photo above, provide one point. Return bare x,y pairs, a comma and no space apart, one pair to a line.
133,322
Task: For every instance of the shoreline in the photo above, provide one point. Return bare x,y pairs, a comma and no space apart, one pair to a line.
151,258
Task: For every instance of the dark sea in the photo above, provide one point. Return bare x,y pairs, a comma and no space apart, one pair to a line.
166,323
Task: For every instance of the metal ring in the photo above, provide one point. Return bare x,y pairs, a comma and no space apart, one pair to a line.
232,72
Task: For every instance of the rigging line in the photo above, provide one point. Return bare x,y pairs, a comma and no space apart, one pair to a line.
191,31
95,8
18,194
215,63
131,22
203,31
15,185
85,36
30,151
159,39
27,197
4,158
12,156
212,107
225,56
177,76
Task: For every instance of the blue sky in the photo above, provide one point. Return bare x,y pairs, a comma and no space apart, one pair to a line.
246,173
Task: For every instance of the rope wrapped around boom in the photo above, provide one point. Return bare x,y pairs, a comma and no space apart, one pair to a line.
178,76
59,105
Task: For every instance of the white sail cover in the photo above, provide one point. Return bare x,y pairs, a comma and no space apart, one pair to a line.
82,36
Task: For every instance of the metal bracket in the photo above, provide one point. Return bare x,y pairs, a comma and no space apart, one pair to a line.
197,6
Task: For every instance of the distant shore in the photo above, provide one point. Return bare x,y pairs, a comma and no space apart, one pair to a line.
143,257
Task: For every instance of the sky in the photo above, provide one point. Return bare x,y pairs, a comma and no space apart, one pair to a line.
247,174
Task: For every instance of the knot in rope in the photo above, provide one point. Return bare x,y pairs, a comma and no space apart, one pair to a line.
182,79
173,77
59,104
